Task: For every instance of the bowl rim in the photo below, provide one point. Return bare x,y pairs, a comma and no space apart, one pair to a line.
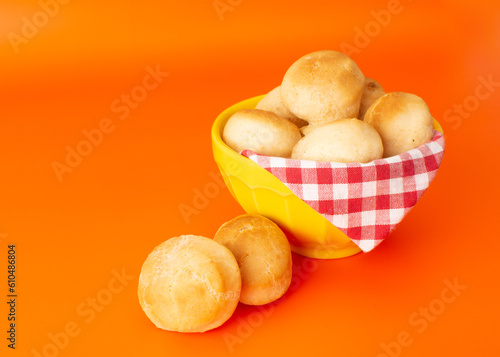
218,124
222,119
218,144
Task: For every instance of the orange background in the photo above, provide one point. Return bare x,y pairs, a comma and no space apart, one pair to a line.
124,198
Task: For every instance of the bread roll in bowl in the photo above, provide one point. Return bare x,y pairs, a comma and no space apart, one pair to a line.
260,131
322,87
272,103
189,284
263,255
344,140
403,121
371,92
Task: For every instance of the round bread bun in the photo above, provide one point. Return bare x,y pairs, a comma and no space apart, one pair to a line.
189,284
403,121
263,255
371,92
272,103
344,140
322,87
261,131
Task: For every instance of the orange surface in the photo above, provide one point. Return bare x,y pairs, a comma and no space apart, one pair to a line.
124,198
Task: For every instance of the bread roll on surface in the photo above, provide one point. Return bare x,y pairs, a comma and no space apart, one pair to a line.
371,92
403,121
272,103
322,87
189,284
261,131
263,255
345,140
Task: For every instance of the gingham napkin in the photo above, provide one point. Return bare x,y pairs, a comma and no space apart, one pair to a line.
365,201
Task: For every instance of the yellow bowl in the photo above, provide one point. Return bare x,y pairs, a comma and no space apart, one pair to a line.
259,192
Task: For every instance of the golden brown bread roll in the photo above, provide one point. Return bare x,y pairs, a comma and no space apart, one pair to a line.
322,87
403,121
189,284
272,103
260,131
371,92
263,255
344,140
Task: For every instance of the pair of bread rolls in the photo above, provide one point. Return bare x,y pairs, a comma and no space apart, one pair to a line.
193,284
351,116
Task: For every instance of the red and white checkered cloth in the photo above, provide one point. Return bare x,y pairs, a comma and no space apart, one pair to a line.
365,201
